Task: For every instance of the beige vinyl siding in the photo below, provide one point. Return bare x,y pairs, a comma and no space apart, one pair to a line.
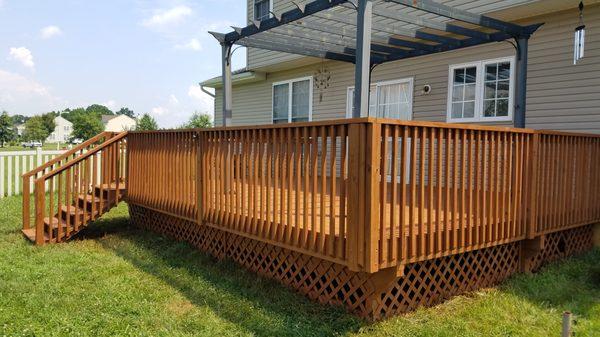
560,95
257,58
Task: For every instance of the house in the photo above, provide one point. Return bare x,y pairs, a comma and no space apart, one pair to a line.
380,215
118,123
62,131
20,129
470,85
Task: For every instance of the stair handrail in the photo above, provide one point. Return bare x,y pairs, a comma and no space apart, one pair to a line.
102,135
82,157
26,177
40,191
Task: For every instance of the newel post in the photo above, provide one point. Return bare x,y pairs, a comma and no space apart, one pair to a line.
373,177
364,140
355,218
40,206
26,201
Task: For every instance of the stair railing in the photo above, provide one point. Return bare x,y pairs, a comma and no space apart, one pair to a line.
46,167
80,190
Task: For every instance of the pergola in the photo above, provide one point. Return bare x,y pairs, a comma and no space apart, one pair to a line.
371,32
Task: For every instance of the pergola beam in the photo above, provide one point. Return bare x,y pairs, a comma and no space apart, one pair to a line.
377,43
495,37
462,15
390,29
426,23
328,37
285,18
286,48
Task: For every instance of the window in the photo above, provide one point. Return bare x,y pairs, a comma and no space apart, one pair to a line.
481,91
391,99
292,101
262,9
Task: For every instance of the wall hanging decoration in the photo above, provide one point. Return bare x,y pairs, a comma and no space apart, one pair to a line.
579,46
322,78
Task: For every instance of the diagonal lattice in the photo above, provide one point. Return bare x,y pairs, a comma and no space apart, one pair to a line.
423,283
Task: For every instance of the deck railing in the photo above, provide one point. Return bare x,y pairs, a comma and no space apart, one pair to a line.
370,193
52,164
566,191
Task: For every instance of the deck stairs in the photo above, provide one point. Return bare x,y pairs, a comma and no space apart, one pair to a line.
74,191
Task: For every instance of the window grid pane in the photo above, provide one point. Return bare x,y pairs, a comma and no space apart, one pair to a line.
464,92
261,9
497,84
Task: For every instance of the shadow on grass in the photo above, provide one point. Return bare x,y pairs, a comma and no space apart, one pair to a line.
571,284
265,308
255,304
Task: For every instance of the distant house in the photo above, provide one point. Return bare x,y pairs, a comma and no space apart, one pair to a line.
62,131
118,123
20,129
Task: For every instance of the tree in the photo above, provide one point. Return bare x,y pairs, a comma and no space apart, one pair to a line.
48,121
198,120
71,115
126,112
86,126
7,133
18,119
147,122
98,110
35,129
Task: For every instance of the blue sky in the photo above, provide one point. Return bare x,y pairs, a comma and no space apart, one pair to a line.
146,55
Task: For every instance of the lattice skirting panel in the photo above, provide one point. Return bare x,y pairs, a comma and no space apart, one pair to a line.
373,296
559,245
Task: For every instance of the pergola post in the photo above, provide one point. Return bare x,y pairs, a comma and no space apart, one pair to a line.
363,58
521,85
227,87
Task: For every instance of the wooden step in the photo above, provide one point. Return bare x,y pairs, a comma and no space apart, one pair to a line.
30,235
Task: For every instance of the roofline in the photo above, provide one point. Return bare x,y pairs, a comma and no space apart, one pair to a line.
239,78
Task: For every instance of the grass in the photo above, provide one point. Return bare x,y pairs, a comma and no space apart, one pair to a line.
45,147
117,280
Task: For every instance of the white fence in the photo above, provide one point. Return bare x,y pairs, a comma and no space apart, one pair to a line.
14,163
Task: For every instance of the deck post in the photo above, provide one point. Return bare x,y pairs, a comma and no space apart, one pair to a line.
363,58
227,86
520,105
373,173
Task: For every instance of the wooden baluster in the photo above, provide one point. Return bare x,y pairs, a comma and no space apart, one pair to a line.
394,236
343,188
383,235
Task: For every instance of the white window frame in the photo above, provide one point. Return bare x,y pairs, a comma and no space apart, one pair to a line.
253,17
409,80
289,83
479,91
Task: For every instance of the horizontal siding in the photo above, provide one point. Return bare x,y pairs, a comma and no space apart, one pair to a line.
560,95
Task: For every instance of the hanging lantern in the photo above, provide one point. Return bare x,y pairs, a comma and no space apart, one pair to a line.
579,37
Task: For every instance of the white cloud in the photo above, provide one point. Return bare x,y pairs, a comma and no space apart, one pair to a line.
22,55
19,94
204,101
50,32
193,44
173,99
166,17
111,104
159,111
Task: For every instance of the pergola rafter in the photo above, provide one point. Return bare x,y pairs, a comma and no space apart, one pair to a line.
372,32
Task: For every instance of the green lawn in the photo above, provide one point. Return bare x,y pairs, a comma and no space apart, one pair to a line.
45,146
116,280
